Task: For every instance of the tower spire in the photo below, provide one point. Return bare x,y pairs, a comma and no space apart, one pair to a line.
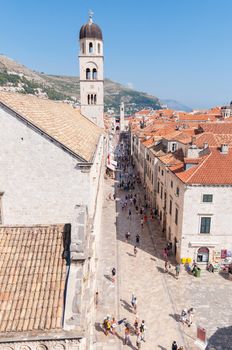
91,16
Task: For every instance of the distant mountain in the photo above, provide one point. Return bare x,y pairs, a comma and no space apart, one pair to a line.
177,106
17,77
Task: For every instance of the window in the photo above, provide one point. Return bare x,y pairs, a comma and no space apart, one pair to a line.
83,48
171,184
173,147
95,99
205,225
88,99
90,47
203,254
208,198
162,172
170,207
99,48
177,191
159,168
88,75
94,74
176,217
158,187
161,192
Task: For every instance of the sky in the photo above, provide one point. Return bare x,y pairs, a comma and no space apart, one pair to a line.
173,49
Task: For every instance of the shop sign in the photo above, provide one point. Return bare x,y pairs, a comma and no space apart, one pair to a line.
223,253
201,334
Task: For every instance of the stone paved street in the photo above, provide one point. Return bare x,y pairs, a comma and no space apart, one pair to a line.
161,297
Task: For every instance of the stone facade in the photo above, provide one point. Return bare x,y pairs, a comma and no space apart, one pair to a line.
92,79
63,344
40,182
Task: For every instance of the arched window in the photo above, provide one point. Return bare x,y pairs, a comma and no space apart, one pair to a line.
83,48
95,99
88,74
99,48
90,47
94,74
91,99
88,99
203,254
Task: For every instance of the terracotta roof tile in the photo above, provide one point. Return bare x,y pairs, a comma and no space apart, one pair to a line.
32,278
57,119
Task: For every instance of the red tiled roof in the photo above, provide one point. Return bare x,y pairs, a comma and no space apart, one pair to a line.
214,169
32,278
217,128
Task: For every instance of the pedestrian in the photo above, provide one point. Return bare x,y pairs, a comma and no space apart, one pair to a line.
137,239
165,253
189,320
137,209
142,222
127,335
166,266
106,325
134,302
127,235
96,299
183,316
136,326
138,342
113,274
145,218
174,345
129,214
142,329
113,326
177,268
135,251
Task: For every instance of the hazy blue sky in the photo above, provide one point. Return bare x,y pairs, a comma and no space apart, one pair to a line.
179,49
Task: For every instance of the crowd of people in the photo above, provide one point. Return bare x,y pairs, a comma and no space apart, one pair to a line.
133,203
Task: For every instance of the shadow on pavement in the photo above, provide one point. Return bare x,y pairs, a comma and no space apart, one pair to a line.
98,327
175,316
221,339
126,305
108,277
130,254
161,347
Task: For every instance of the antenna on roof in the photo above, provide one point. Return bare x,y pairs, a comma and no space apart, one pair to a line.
91,16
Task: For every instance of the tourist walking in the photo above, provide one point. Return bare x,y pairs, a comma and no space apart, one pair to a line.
138,342
189,320
127,236
142,222
129,214
113,326
106,325
177,268
127,334
142,329
134,302
174,345
136,326
113,274
135,251
137,239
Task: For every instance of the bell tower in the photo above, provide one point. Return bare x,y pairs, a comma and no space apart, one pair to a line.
91,72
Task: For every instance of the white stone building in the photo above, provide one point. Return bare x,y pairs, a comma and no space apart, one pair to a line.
51,173
194,199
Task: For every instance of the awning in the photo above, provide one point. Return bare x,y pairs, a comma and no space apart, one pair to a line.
111,167
203,244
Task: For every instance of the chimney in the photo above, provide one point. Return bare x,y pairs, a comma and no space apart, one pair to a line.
206,145
193,140
224,148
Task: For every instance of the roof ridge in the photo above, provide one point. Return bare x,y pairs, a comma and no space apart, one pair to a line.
199,166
